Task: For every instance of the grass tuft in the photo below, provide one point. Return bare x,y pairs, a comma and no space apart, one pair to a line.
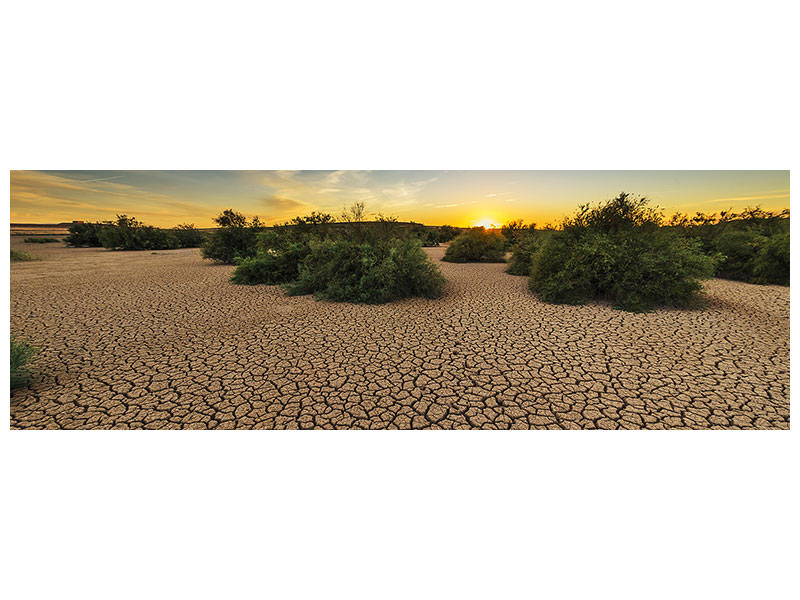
20,353
17,256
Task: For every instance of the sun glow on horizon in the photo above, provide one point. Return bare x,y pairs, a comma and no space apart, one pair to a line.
460,198
488,223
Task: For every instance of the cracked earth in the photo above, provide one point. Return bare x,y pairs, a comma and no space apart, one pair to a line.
164,341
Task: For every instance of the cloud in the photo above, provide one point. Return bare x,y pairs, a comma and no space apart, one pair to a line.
753,198
281,207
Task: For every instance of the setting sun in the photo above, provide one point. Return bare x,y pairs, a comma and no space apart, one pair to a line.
488,223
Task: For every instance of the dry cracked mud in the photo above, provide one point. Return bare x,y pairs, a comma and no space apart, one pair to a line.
165,341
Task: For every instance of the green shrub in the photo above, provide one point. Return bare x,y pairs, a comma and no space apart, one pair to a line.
281,249
20,353
476,245
271,268
738,249
523,251
515,231
85,234
447,233
127,233
771,264
235,239
17,256
40,240
617,251
385,270
739,239
427,236
188,236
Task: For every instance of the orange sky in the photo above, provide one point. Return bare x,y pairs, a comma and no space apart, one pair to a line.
461,198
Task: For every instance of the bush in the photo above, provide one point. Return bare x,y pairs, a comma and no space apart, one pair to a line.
738,250
188,236
739,239
476,245
17,256
271,268
281,249
129,234
515,231
617,251
20,353
40,240
771,264
523,251
427,236
448,233
382,271
85,234
235,239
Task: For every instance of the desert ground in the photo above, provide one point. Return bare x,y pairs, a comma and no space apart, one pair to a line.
130,340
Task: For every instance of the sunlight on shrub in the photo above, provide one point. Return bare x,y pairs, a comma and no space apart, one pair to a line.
476,245
617,251
371,273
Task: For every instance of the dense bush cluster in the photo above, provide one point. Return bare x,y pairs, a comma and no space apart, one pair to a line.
85,234
476,245
20,353
619,251
382,271
127,233
349,262
752,246
235,238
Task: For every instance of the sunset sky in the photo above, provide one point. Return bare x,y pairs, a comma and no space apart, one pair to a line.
461,198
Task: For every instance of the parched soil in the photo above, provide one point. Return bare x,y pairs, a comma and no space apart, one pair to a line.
164,340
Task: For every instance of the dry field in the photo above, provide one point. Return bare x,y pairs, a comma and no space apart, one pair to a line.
164,340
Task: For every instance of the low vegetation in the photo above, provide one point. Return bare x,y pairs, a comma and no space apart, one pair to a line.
351,261
619,251
40,240
476,245
20,353
18,256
